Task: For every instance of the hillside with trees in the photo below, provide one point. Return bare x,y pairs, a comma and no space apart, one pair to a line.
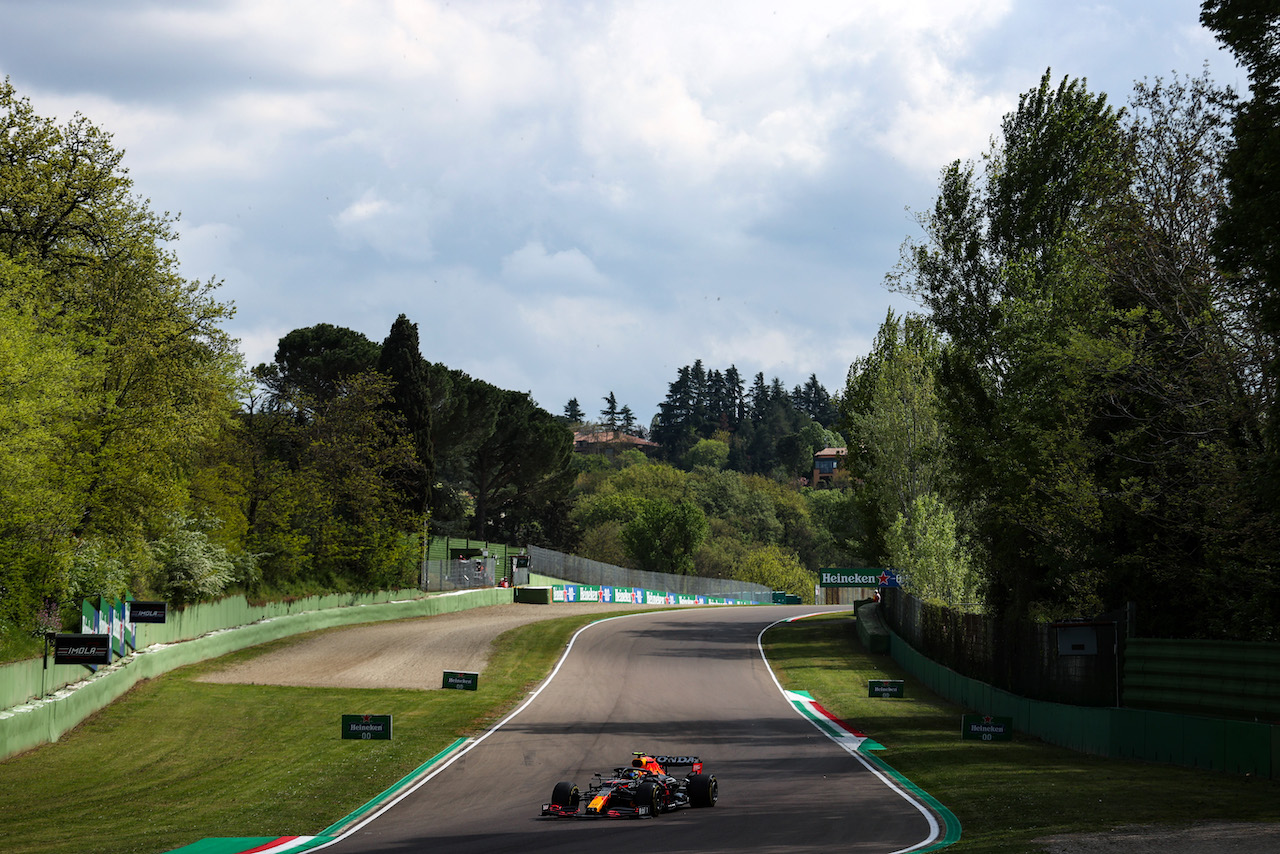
1081,415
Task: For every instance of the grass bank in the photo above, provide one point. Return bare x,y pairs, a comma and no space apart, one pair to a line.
1004,794
176,760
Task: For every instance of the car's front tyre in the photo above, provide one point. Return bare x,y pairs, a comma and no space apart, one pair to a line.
566,795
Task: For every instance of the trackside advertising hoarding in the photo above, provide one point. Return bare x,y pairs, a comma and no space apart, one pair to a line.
857,578
367,727
82,649
633,596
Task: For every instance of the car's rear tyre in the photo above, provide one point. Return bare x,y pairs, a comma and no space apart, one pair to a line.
703,790
647,795
566,795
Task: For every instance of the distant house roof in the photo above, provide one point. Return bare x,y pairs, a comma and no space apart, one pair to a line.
610,437
830,453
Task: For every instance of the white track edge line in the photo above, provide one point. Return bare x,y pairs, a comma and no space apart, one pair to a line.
533,695
934,829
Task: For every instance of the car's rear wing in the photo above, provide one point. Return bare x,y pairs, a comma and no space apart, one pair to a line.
678,760
692,762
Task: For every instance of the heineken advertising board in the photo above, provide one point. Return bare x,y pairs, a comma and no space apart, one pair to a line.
986,728
367,727
886,688
463,680
857,578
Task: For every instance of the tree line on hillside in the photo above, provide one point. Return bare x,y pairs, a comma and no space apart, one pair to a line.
356,445
137,455
711,417
1085,413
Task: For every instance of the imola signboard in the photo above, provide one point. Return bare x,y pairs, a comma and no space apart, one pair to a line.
886,688
857,578
148,612
367,727
82,649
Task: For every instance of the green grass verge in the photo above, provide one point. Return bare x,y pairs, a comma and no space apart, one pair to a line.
1007,794
176,760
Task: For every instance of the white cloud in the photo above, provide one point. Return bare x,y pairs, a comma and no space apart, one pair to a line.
397,228
533,264
556,179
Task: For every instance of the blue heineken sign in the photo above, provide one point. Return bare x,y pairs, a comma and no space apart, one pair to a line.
857,578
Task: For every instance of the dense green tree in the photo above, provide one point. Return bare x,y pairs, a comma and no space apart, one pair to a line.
44,392
313,363
1007,278
1245,239
778,569
814,400
713,453
573,412
840,518
400,359
87,263
345,498
924,545
1182,424
1099,380
627,421
609,415
520,466
892,411
664,537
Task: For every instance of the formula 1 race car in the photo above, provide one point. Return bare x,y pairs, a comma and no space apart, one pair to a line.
642,789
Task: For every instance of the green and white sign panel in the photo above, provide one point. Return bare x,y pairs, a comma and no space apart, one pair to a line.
886,688
463,680
986,728
367,727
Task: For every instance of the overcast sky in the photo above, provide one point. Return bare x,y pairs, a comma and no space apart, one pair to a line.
569,198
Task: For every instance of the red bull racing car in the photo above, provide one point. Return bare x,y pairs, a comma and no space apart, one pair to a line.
643,789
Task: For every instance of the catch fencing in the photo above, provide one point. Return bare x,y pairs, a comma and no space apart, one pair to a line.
594,573
1018,656
464,574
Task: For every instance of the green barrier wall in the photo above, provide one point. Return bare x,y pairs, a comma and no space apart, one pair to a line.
1230,679
871,629
25,680
43,721
1241,747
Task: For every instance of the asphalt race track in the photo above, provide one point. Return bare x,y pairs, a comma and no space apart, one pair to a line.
672,682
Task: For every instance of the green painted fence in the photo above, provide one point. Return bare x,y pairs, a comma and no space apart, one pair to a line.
1234,746
1230,679
21,681
43,720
